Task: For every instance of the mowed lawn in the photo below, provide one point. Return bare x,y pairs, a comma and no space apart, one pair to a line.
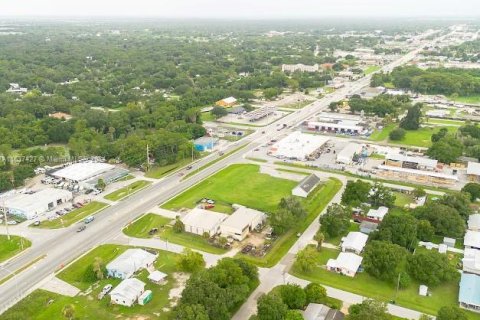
368,286
402,199
12,247
36,306
141,227
128,190
74,216
417,138
157,172
240,183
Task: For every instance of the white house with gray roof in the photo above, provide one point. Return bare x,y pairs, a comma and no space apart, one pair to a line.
306,186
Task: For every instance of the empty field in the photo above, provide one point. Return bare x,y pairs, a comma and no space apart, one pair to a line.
12,247
128,190
240,183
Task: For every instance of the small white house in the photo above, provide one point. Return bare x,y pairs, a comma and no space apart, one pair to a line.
474,222
354,242
472,240
240,223
127,292
450,242
199,221
306,186
471,261
347,263
129,262
157,277
377,214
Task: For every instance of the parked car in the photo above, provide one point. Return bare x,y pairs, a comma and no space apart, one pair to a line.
107,288
96,192
89,219
81,228
36,223
12,222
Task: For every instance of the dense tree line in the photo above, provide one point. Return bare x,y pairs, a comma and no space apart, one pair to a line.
463,82
381,105
216,292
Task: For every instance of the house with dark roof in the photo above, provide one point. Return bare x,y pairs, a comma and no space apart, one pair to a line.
315,311
306,186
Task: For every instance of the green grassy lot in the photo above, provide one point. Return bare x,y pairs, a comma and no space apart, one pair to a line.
128,190
402,199
141,227
453,123
240,183
418,138
12,247
191,173
315,203
297,105
468,99
372,69
74,216
366,285
126,178
35,306
256,159
377,156
207,116
157,172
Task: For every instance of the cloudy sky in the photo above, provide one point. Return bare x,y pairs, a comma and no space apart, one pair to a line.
240,8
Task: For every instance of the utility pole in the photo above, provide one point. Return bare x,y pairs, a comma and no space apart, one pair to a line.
192,150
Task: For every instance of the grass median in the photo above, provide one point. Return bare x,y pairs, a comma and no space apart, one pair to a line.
128,190
73,216
12,247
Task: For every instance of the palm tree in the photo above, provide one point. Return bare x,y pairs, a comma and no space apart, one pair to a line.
319,237
68,311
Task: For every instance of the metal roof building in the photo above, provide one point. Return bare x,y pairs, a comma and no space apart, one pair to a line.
199,221
299,146
129,262
354,242
127,292
82,171
469,295
30,206
241,222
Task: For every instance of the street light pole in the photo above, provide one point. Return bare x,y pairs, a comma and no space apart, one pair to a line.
4,209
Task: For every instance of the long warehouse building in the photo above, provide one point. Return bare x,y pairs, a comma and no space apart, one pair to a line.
298,146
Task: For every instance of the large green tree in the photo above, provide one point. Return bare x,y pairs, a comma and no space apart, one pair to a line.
384,260
431,268
335,221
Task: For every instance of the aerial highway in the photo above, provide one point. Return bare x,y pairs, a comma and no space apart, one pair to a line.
59,247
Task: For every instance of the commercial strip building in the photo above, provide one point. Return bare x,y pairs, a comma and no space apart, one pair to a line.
354,242
260,113
347,263
32,205
410,162
87,174
417,176
307,185
240,223
127,292
298,146
200,221
205,143
300,67
129,262
335,123
469,295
